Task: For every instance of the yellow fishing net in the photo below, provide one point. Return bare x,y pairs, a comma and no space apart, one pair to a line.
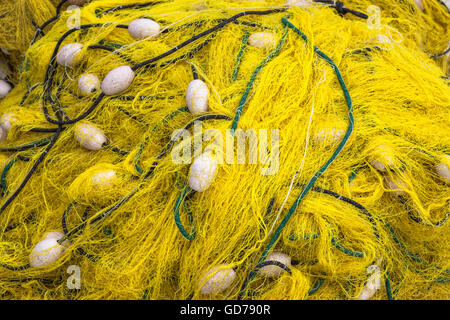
351,179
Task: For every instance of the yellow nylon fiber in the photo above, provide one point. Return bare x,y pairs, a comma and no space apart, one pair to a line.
401,100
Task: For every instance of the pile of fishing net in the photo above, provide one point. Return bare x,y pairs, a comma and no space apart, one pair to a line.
122,176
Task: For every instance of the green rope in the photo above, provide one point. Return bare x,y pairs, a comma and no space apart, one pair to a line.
305,237
110,44
253,77
400,283
176,211
409,253
333,241
333,157
137,165
107,231
239,57
316,286
345,250
145,295
37,143
388,286
348,287
3,176
353,175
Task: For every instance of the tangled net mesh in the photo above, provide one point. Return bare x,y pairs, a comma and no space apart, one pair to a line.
336,90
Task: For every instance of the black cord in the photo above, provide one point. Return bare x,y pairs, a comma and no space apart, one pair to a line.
137,5
177,136
436,56
148,174
21,268
205,33
194,72
30,173
26,146
353,203
341,9
256,269
106,48
421,221
22,280
132,116
115,149
44,129
41,28
91,257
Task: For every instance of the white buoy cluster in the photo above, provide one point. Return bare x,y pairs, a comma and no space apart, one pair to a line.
204,167
220,277
118,79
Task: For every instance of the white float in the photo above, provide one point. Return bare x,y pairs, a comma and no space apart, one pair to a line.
144,28
197,96
273,271
88,84
202,172
397,185
89,136
118,80
103,179
262,40
68,55
383,158
217,280
7,120
48,251
419,4
5,88
443,169
373,283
